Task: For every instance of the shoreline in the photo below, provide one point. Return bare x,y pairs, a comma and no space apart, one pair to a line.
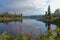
56,22
9,19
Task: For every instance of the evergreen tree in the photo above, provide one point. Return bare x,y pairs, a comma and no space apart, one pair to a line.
46,15
49,10
21,18
57,12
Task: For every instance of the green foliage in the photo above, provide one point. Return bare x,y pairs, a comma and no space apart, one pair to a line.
49,10
48,13
48,36
6,14
57,12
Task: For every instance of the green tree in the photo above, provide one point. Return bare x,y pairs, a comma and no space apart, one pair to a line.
46,15
49,12
57,12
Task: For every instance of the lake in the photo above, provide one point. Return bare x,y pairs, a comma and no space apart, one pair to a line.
28,25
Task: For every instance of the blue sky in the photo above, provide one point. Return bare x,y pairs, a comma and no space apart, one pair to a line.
28,7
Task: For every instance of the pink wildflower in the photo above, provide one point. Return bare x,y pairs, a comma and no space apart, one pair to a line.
10,28
20,27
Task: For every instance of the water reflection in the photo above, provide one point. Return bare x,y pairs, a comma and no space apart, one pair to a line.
27,26
48,25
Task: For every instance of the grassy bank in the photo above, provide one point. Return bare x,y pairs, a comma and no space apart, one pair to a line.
9,19
6,16
54,21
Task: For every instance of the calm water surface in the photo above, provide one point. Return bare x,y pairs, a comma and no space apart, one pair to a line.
28,25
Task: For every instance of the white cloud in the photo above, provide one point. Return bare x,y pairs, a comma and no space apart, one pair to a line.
27,3
54,5
39,3
19,4
27,7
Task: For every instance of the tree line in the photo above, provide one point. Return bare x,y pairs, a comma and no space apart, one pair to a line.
7,14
